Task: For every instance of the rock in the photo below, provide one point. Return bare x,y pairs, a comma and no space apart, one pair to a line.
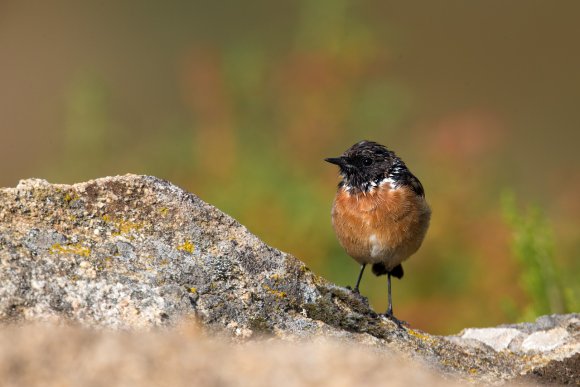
496,338
33,355
556,372
136,252
545,341
554,337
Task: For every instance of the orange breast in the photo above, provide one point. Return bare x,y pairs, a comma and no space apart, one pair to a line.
383,225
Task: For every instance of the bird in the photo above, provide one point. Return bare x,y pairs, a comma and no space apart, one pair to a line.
380,214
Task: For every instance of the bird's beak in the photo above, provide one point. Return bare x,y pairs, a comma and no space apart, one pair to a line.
340,161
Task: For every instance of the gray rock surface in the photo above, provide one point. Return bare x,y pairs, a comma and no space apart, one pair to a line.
138,252
555,337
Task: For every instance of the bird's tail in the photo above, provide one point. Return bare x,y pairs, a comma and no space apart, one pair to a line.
381,269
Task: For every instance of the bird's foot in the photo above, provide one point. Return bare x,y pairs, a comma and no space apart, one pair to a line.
400,323
355,290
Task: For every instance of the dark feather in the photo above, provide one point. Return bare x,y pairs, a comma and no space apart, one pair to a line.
381,269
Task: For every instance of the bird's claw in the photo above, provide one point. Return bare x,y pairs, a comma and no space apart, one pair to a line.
400,323
355,290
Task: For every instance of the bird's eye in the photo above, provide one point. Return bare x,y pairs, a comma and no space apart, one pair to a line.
367,162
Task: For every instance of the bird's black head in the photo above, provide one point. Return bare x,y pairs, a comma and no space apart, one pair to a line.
365,164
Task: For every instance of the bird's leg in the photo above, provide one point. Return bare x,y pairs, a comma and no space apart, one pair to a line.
389,312
362,269
390,308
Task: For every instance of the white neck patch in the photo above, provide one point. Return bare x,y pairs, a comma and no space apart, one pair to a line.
373,185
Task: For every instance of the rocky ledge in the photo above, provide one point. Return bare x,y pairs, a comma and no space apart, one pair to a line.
132,252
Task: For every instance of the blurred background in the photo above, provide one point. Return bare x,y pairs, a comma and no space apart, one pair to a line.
239,102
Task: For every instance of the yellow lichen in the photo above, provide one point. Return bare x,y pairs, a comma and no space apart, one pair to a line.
186,246
163,211
277,293
76,249
68,197
419,335
192,290
126,226
123,226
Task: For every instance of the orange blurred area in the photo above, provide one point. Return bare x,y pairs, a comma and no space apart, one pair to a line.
239,102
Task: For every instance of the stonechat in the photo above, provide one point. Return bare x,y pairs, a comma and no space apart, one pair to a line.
380,214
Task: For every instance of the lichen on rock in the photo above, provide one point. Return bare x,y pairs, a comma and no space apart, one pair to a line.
137,252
